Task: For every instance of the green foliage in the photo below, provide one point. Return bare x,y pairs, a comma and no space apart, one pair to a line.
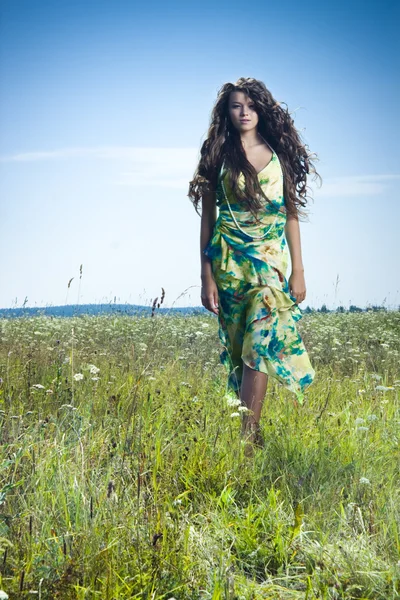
123,475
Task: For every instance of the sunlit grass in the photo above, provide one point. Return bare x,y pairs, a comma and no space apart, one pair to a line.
123,473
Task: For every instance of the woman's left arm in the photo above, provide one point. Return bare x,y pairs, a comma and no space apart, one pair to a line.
297,284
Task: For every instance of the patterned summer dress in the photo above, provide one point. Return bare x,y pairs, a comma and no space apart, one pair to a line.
257,314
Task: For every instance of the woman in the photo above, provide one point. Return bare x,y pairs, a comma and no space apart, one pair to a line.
254,167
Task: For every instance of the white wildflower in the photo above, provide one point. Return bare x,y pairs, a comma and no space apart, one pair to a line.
232,400
372,418
359,421
362,429
375,376
235,414
78,376
93,369
38,386
364,481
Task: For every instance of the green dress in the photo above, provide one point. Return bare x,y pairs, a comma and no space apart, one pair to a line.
257,314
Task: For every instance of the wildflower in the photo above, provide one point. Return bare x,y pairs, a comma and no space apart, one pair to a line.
362,429
231,400
235,414
364,481
359,421
95,378
93,369
38,386
372,418
361,391
383,388
375,376
49,391
78,376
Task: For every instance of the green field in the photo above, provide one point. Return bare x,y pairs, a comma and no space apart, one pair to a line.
123,472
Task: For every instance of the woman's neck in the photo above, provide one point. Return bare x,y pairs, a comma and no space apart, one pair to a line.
250,138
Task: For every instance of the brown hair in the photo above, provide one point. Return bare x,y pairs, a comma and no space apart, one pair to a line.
223,144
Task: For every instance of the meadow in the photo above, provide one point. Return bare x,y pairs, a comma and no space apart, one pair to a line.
123,473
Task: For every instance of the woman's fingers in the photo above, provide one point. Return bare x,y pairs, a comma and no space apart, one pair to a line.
209,298
212,304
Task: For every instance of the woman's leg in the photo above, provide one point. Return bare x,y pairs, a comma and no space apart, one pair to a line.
252,391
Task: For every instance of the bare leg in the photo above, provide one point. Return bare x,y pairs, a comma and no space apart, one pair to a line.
252,393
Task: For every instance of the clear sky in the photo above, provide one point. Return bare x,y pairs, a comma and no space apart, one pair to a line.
103,109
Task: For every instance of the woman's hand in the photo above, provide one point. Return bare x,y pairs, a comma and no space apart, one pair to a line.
297,285
209,294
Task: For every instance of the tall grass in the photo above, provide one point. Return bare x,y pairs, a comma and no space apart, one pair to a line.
123,474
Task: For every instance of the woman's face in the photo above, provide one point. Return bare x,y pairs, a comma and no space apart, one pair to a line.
242,111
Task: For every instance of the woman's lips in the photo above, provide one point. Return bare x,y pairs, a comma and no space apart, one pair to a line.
245,120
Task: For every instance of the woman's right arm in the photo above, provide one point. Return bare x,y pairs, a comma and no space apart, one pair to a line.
209,293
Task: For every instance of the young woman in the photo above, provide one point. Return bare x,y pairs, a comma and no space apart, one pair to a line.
254,167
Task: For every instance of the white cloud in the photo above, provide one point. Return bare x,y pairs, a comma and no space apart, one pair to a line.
353,185
141,155
173,167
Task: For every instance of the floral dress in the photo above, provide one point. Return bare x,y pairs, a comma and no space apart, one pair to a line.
257,314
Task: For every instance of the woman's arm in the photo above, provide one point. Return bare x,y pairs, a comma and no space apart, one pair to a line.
208,218
209,290
292,232
297,284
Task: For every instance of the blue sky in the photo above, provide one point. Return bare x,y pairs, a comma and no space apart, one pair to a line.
103,109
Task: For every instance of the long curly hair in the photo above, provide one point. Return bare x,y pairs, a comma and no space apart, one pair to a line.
223,143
